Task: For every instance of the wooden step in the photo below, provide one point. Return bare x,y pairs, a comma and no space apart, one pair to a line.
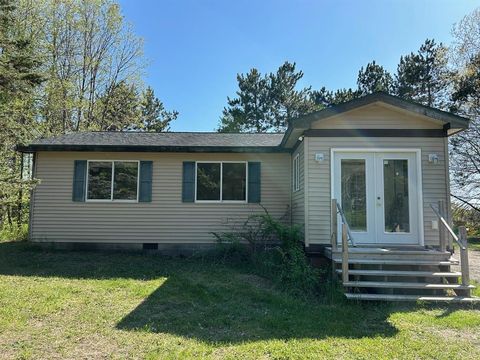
393,257
387,297
406,285
434,274
381,251
391,254
398,262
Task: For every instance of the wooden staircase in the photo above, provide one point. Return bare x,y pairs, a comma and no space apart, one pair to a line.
399,274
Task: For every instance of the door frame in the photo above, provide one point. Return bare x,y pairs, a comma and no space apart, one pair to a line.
418,157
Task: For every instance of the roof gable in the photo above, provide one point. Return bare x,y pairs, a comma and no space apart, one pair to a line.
453,123
377,115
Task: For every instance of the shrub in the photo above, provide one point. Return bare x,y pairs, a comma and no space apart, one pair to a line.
230,250
276,251
14,232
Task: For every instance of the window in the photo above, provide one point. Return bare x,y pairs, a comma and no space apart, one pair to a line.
234,181
296,173
208,181
100,180
221,181
112,180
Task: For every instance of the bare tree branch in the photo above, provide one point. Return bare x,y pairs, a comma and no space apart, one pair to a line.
466,202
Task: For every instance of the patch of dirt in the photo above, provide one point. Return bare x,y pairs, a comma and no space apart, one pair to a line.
469,335
473,261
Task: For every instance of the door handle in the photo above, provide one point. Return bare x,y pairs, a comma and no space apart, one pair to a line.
379,201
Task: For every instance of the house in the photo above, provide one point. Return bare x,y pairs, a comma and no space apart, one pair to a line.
382,159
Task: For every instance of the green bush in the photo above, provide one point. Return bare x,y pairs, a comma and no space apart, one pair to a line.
274,249
14,232
230,250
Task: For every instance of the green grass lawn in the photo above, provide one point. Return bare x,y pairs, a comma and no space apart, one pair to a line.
56,304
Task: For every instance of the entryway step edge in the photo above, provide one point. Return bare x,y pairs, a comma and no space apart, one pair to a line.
398,262
387,297
406,285
436,274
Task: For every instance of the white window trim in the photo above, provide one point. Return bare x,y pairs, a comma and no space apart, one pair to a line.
111,187
221,182
296,173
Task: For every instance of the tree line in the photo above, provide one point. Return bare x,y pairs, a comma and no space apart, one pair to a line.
444,77
70,65
268,102
66,66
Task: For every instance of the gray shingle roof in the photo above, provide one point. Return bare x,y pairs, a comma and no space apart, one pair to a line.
168,141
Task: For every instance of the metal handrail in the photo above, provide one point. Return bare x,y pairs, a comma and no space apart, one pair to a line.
344,220
449,229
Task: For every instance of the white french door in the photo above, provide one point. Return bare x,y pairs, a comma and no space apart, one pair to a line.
379,193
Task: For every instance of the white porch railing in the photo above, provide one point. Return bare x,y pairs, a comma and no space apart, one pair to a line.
461,240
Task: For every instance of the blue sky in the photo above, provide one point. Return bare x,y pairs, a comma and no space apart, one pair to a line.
196,48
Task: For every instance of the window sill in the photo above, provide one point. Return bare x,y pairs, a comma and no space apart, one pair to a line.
112,201
221,202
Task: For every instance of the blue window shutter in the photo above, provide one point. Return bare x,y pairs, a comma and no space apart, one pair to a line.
188,183
145,186
254,182
79,179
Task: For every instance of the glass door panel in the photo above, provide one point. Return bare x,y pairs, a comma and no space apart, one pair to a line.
354,193
396,210
354,184
396,197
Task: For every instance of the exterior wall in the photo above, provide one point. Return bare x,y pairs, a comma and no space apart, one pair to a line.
167,220
434,179
298,197
376,116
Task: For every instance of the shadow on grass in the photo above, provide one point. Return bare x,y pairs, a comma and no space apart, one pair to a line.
27,259
206,301
232,312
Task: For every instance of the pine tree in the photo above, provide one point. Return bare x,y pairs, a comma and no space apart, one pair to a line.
250,110
266,102
370,79
325,98
119,109
286,102
153,116
374,78
18,78
423,76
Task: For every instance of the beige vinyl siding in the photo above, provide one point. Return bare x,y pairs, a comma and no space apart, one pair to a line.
298,204
434,181
166,219
377,116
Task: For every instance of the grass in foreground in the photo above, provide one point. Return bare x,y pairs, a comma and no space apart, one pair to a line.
95,305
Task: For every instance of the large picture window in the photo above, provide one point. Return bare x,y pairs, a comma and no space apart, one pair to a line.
112,180
221,181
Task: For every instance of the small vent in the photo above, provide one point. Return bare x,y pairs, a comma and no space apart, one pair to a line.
149,246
